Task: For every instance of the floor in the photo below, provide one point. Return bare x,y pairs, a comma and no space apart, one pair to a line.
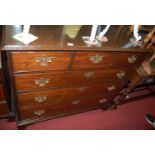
129,116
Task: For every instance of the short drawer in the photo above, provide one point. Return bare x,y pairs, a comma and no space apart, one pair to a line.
29,82
3,108
38,81
129,59
60,109
39,61
63,95
85,60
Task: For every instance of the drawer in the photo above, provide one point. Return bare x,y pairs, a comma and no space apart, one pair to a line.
39,61
29,82
3,108
63,95
2,96
129,59
60,109
85,60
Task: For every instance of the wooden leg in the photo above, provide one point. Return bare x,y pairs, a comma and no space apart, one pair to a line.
11,120
106,106
113,106
23,127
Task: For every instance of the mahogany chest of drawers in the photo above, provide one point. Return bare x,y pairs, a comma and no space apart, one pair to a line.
50,84
52,81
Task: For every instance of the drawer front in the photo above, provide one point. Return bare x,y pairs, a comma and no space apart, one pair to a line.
129,59
39,61
3,108
29,82
92,60
59,96
2,96
58,109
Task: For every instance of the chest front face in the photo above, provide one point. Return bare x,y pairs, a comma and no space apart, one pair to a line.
50,84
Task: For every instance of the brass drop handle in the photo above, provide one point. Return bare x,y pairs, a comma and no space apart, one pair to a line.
40,99
103,100
44,60
41,82
89,74
76,102
39,112
82,89
111,88
132,59
96,58
121,74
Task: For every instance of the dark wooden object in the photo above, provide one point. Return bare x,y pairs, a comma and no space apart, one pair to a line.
50,79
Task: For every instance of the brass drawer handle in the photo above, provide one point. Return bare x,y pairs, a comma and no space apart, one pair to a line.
40,99
82,89
76,102
103,100
89,74
121,74
96,59
44,60
41,82
39,112
132,59
111,88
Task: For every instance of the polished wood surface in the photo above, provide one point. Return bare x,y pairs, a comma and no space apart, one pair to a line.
63,95
109,60
57,37
57,109
27,82
122,59
40,61
86,60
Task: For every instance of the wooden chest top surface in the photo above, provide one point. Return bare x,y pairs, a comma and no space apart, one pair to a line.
57,37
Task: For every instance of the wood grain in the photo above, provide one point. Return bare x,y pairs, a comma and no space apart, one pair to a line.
57,96
58,109
26,82
26,61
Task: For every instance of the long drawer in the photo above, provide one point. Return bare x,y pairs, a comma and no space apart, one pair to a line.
38,81
59,109
63,95
40,61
